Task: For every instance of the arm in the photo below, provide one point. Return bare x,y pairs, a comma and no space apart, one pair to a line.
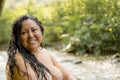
66,75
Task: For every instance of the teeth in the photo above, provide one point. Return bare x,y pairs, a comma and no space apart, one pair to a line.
32,41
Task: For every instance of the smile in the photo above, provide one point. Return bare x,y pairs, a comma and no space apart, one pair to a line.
32,41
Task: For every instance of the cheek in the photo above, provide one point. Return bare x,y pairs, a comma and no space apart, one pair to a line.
40,37
23,40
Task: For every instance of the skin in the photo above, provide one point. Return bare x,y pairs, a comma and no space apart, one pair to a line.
31,37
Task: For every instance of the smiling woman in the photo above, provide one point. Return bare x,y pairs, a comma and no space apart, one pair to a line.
27,60
31,35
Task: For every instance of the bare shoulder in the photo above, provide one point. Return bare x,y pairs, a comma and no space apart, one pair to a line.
47,52
19,58
54,59
18,65
20,61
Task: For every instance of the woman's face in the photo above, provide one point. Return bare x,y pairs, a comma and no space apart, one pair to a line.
31,35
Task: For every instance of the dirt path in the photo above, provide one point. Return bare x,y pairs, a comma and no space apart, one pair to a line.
82,68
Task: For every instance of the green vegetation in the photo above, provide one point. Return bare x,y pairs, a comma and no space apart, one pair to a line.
83,26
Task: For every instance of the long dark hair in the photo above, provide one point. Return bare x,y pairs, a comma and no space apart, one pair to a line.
15,44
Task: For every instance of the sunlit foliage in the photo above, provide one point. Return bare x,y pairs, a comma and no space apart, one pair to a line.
83,26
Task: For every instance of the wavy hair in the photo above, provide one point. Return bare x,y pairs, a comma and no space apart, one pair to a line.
15,44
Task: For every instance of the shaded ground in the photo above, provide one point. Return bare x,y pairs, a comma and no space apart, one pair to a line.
84,68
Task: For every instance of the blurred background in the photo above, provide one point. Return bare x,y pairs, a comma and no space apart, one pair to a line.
87,30
75,26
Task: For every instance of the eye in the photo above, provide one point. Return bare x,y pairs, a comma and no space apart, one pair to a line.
23,33
33,30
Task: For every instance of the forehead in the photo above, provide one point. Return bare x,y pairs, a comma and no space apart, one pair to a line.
28,24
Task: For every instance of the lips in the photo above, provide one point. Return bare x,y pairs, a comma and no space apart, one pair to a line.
31,41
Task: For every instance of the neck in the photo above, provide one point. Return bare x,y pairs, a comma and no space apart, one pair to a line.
36,52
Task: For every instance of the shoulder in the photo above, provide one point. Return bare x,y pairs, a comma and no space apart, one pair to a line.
18,56
52,55
20,62
47,52
18,66
19,59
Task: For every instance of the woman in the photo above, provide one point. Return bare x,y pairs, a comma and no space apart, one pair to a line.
26,59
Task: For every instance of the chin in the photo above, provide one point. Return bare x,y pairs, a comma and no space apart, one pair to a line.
33,48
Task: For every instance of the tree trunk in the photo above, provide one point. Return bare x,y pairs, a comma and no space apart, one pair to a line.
1,5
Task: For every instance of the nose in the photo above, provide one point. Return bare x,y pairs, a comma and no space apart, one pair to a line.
30,34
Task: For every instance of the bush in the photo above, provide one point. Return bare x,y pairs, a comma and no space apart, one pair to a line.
84,26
